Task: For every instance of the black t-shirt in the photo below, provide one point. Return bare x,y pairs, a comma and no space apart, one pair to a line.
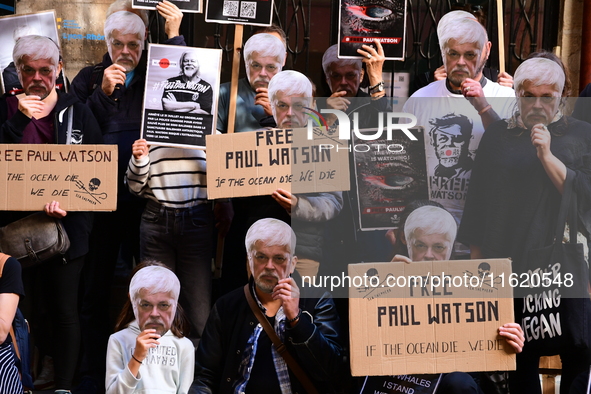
11,281
263,378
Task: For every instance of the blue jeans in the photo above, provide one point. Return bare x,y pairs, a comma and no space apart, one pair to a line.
182,239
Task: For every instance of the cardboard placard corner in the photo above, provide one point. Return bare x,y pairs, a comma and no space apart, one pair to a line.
430,328
79,177
259,162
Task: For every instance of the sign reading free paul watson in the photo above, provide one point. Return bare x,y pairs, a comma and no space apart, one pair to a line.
259,162
430,317
80,177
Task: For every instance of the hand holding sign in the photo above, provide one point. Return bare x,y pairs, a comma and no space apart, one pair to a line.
173,17
140,149
53,209
513,334
374,60
285,199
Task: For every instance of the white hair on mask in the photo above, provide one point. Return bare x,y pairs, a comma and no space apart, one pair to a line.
35,48
451,18
462,31
290,83
126,5
124,22
154,279
430,220
272,232
264,45
539,71
331,56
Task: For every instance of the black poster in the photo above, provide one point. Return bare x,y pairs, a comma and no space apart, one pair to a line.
389,174
415,384
363,20
258,12
184,5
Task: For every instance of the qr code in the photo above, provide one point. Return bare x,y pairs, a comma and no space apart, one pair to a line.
248,9
230,8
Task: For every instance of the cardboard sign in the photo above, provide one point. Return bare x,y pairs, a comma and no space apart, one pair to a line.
361,24
389,176
180,104
430,317
194,6
80,177
259,162
255,13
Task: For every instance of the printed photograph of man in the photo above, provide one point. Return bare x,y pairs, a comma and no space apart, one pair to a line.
187,92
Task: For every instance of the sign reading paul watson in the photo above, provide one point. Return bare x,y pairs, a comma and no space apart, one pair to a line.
430,317
257,13
259,162
80,177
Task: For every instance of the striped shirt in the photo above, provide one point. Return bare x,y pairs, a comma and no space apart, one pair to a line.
10,380
173,177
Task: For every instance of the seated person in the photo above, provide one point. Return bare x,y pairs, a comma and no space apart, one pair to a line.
151,354
429,233
236,354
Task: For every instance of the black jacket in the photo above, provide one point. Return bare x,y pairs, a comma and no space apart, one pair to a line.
119,115
314,342
84,130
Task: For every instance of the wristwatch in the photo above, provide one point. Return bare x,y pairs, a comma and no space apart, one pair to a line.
379,87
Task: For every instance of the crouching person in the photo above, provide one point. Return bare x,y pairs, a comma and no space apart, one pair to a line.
236,355
151,355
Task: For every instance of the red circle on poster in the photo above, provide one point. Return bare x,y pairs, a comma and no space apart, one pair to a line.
164,63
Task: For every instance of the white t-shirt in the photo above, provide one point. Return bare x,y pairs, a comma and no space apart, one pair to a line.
453,130
168,368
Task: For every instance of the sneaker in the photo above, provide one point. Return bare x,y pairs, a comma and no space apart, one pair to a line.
45,379
63,392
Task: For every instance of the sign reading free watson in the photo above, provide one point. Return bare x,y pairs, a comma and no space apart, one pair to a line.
79,177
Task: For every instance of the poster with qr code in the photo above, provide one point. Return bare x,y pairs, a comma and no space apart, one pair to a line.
243,12
363,21
195,6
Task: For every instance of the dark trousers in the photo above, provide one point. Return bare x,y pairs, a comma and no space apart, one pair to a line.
52,297
182,239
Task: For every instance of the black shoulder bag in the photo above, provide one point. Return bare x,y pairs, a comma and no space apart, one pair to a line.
556,311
